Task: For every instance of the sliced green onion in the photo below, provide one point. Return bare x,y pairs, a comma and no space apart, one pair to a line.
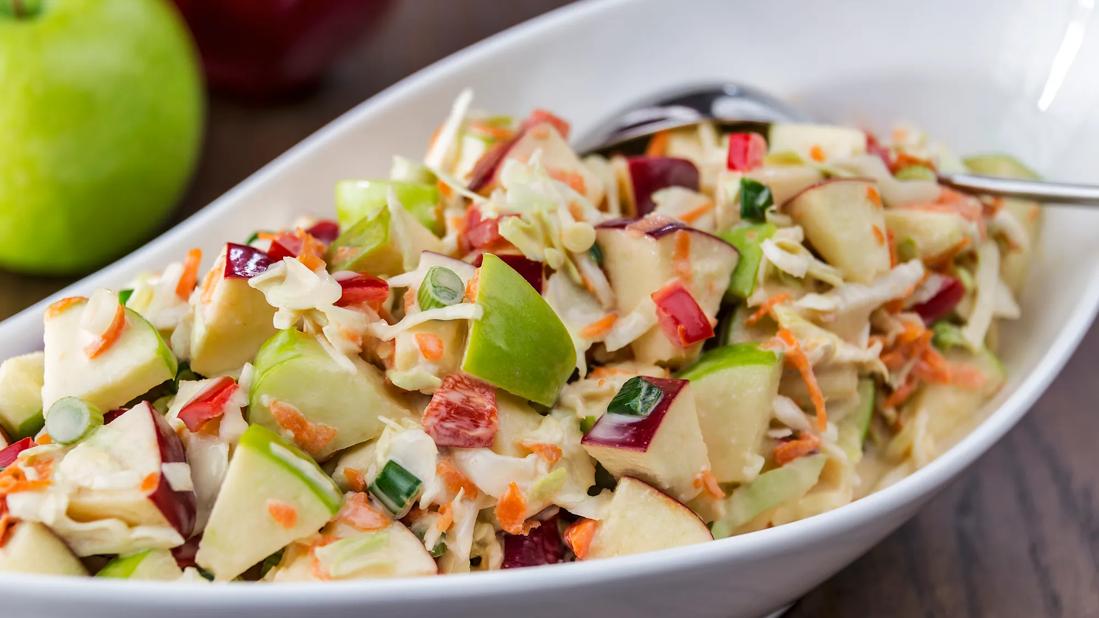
124,295
637,397
440,547
596,253
396,488
72,418
946,336
755,199
441,287
254,237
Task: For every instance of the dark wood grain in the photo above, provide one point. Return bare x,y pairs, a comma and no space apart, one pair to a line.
1015,535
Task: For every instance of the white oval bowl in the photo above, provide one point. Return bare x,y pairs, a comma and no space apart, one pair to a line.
1007,75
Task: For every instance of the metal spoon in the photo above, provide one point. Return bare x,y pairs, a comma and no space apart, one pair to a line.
729,103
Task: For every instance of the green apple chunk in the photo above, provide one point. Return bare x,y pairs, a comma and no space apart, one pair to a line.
393,551
135,363
932,234
21,395
267,479
641,518
360,199
230,323
844,221
836,382
767,491
344,406
747,239
733,388
651,431
1001,165
558,157
32,548
516,419
1014,264
519,344
854,425
813,142
386,243
150,564
949,407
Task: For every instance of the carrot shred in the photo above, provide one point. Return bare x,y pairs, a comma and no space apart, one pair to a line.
150,482
446,517
803,445
312,437
7,524
108,337
355,479
14,480
284,513
58,307
430,345
891,240
599,327
453,478
901,395
874,196
681,257
658,145
707,482
312,250
573,179
471,286
693,214
43,439
359,513
579,536
189,277
816,153
766,307
551,453
796,356
878,234
511,510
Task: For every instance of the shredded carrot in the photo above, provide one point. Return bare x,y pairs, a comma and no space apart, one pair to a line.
446,517
796,356
355,479
707,482
453,478
189,277
693,214
58,307
576,210
14,480
7,523
444,189
359,513
551,453
490,130
947,257
267,235
892,241
579,536
318,570
878,234
471,285
150,482
283,513
681,258
431,346
210,281
816,153
312,250
903,392
658,145
606,371
573,179
873,195
766,307
790,450
511,510
313,437
599,327
43,438
108,337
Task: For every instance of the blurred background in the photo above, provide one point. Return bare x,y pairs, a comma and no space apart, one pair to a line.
275,71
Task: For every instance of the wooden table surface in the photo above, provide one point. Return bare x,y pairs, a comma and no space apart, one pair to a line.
1016,535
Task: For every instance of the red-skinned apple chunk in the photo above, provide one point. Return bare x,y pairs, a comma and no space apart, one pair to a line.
558,158
641,518
651,431
646,255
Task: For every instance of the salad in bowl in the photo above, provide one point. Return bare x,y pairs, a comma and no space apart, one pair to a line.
507,355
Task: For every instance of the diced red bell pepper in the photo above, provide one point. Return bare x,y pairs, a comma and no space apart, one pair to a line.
209,404
363,289
481,233
746,151
11,452
943,302
462,413
325,231
682,319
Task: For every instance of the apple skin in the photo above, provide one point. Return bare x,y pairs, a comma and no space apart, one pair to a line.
357,199
651,174
98,146
178,507
11,452
541,545
244,262
633,432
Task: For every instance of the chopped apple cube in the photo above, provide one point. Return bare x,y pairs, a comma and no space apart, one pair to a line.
32,548
21,395
641,518
844,221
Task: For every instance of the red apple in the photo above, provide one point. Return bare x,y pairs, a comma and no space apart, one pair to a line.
635,432
325,231
943,302
651,174
11,452
244,262
541,545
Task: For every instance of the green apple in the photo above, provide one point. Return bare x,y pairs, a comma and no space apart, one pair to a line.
767,491
393,551
266,475
948,406
1015,264
931,233
230,323
519,344
854,425
359,199
836,382
641,518
21,395
32,548
294,369
150,564
827,141
386,242
138,360
1002,165
844,221
102,119
747,238
734,387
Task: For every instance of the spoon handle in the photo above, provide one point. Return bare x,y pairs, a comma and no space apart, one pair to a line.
1052,192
